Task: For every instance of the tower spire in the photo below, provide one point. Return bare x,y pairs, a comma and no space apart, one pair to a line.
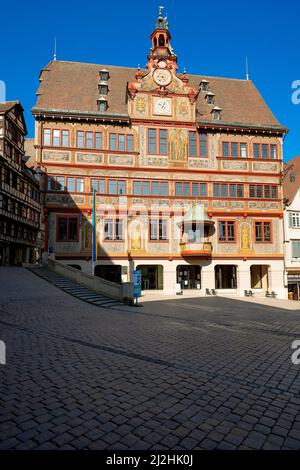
54,55
161,22
247,69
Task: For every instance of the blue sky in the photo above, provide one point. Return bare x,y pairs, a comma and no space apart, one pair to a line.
210,38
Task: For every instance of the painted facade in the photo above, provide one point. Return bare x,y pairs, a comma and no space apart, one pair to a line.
153,144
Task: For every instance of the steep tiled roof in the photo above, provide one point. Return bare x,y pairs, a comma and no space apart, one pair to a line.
7,105
291,184
73,86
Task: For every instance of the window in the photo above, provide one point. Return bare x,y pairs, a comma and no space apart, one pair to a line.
265,151
113,229
102,106
112,141
60,183
210,98
217,114
192,144
89,140
295,248
203,144
204,85
129,143
116,187
80,139
234,149
47,137
260,191
197,144
121,142
273,151
56,183
104,75
188,189
151,141
67,229
157,141
71,185
79,185
65,138
98,185
56,138
294,219
98,140
225,190
103,89
163,142
263,231
151,188
226,231
158,229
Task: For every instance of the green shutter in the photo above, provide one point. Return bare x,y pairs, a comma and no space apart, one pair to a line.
290,219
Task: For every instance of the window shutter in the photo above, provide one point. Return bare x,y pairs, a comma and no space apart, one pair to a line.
295,249
290,219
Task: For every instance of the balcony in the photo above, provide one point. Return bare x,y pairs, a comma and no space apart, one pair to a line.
196,249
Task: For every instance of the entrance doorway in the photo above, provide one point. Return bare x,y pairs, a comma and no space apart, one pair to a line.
189,277
152,277
225,276
259,276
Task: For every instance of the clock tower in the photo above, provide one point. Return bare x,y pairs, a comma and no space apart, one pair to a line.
160,38
159,91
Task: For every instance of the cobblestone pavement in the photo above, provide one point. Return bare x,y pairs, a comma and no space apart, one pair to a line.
191,373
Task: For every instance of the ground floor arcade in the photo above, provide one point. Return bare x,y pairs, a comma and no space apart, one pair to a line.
224,276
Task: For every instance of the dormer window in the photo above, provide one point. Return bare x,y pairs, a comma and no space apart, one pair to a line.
217,113
104,75
210,98
103,89
102,105
204,85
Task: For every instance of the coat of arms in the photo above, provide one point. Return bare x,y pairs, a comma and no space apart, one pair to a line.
141,104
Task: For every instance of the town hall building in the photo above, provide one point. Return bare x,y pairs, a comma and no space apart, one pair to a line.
154,144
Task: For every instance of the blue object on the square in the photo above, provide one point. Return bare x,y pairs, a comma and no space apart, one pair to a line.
137,284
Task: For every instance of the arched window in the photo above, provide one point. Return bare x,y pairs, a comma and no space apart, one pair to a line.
161,40
155,42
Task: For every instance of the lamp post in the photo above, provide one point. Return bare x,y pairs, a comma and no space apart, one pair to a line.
94,229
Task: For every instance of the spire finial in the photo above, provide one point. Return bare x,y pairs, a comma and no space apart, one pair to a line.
54,55
161,22
247,69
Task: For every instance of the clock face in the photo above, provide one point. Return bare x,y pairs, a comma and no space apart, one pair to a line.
162,77
163,106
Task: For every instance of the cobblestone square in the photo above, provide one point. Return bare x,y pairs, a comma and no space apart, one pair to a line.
181,373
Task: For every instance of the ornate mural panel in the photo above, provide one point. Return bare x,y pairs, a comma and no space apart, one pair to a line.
242,166
121,160
265,166
89,158
228,204
158,161
55,156
198,163
264,205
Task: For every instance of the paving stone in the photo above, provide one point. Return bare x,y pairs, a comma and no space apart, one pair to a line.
88,377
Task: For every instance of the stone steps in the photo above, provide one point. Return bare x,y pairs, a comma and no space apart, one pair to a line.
72,288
